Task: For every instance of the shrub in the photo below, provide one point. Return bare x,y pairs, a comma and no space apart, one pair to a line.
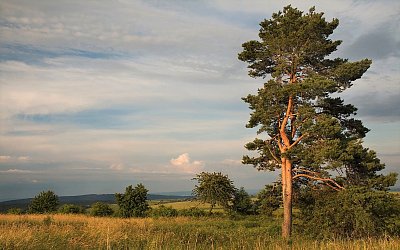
44,202
269,199
14,210
242,203
163,211
101,209
355,212
192,212
70,209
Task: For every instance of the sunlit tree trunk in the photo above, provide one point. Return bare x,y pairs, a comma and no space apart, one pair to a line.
287,197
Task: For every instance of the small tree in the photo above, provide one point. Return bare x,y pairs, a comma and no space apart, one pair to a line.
133,203
214,188
44,202
269,199
242,203
101,209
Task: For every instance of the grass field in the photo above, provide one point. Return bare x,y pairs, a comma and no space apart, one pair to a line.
83,232
188,204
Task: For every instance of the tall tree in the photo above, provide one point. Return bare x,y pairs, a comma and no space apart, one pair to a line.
214,188
307,128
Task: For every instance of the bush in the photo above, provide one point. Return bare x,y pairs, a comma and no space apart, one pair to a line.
192,212
44,202
269,199
14,210
355,212
163,211
71,209
101,209
242,203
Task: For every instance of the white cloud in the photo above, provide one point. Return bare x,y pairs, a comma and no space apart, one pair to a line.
184,164
5,157
117,166
23,158
172,68
16,171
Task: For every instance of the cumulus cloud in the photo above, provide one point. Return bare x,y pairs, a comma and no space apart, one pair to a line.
184,164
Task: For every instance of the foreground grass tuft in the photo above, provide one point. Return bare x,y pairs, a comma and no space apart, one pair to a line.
83,232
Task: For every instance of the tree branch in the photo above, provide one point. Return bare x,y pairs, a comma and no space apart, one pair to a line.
284,123
326,180
297,141
273,155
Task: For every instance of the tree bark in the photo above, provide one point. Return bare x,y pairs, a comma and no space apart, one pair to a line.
287,182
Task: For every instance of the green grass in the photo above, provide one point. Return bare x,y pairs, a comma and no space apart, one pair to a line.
84,232
189,204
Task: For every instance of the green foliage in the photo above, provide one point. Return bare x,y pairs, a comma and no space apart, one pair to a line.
214,188
356,212
242,203
192,212
133,203
163,211
44,202
361,166
14,210
101,209
294,108
71,209
269,199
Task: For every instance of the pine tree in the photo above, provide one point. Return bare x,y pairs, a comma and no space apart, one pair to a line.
308,129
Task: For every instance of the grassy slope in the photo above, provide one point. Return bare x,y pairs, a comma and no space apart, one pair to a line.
79,231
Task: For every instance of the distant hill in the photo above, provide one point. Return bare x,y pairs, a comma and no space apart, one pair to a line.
85,200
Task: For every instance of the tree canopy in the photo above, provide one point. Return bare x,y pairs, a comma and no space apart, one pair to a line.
133,203
44,202
214,188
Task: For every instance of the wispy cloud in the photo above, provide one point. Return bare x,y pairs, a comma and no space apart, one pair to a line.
16,171
117,166
88,87
5,157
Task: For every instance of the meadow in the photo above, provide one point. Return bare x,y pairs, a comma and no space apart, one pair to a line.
58,231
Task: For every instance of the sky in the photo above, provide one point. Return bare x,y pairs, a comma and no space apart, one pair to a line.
99,95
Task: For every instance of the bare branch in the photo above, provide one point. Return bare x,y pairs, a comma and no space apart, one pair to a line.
326,180
297,141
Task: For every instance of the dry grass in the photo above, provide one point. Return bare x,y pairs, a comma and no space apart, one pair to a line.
83,232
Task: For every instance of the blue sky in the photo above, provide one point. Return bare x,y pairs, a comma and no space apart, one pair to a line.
98,95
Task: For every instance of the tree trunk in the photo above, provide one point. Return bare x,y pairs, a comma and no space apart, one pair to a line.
287,198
